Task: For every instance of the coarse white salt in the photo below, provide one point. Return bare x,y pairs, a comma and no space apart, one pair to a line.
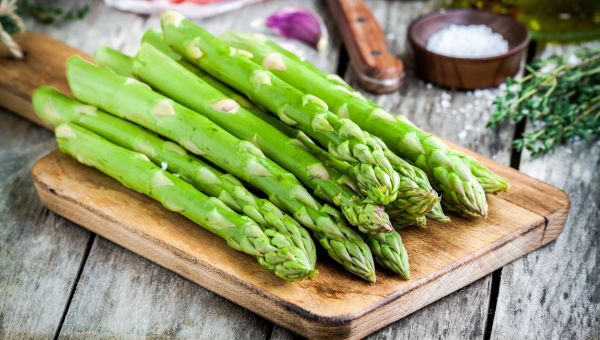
467,41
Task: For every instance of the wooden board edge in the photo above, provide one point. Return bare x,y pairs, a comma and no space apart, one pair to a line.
555,222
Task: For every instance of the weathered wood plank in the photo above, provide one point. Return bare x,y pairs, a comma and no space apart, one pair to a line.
40,252
461,315
121,294
555,291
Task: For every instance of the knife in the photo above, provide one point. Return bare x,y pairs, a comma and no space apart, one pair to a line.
377,69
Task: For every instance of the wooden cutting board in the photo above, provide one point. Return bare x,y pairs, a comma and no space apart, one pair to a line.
443,258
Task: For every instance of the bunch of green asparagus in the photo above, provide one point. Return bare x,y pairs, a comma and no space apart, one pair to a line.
322,158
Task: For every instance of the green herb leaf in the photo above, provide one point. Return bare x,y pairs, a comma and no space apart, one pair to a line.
560,97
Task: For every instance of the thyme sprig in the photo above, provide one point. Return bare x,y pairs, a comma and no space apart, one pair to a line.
49,14
44,13
560,97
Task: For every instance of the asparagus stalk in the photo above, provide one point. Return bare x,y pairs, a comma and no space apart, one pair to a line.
54,108
343,138
137,172
366,216
135,101
397,218
449,174
156,39
166,75
490,182
194,91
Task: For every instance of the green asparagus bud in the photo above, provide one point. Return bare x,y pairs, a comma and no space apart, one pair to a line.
437,214
490,182
390,253
418,197
194,91
136,171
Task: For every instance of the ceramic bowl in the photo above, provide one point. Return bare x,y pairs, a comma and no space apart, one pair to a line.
467,73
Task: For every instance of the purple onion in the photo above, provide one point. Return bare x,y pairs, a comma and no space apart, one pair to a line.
300,24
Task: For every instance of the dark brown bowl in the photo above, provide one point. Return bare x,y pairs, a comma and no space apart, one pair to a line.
467,73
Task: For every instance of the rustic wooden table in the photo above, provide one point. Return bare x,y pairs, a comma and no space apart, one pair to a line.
58,279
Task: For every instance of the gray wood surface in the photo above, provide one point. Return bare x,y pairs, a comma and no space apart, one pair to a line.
40,253
554,291
122,294
548,294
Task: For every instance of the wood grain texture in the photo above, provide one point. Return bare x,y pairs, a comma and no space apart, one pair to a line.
563,301
40,252
444,257
121,294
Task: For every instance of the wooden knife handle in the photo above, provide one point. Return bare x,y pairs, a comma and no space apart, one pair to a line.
377,68
44,64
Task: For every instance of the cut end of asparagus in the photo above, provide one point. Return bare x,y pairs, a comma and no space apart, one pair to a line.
171,18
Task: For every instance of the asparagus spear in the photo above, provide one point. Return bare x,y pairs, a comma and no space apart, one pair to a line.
366,216
54,108
491,182
166,75
397,218
343,138
137,172
194,91
135,101
460,189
